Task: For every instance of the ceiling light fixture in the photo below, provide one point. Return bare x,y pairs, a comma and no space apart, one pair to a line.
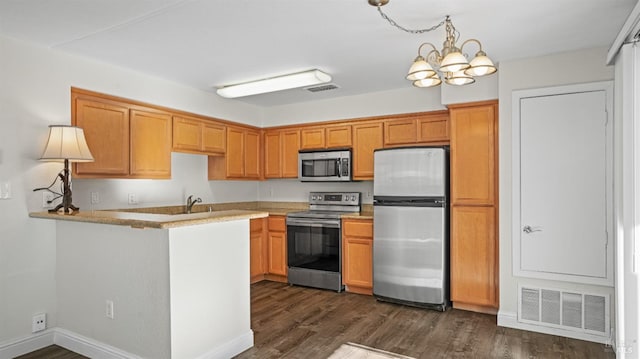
273,84
449,64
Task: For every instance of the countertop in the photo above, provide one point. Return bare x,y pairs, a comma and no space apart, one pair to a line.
174,216
151,220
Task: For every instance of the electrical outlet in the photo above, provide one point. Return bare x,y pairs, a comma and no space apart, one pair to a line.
5,189
39,322
47,200
108,311
133,198
95,198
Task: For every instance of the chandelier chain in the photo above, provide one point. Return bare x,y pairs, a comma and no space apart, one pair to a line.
411,31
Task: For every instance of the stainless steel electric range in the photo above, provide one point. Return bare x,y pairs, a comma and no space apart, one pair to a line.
314,240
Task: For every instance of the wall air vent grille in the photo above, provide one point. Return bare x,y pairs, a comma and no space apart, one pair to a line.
580,312
321,88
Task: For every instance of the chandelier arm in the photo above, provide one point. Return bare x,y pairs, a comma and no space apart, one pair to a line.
411,31
430,44
472,40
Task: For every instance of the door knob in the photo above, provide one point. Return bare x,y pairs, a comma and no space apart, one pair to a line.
529,229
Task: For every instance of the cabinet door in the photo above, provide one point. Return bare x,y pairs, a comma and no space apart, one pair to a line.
289,151
366,138
106,128
474,255
235,152
272,156
150,141
357,264
213,137
338,136
473,155
258,265
401,131
433,128
252,154
312,138
187,134
277,253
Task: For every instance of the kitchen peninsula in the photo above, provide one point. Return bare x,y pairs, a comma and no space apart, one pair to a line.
155,285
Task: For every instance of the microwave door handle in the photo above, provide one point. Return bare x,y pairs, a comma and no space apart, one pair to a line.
338,168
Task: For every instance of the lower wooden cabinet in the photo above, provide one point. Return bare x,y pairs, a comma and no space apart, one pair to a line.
258,249
277,247
357,255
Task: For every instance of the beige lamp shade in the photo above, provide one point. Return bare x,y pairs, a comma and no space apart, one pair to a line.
420,69
481,65
454,62
66,143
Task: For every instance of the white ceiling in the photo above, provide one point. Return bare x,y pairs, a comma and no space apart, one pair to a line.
210,43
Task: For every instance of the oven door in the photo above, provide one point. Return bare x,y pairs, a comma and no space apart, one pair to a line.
314,244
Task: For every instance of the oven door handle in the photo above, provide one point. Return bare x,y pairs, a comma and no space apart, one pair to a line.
315,223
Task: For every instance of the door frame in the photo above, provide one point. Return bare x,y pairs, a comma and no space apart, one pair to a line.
517,96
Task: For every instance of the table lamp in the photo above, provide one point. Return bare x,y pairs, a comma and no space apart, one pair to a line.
66,143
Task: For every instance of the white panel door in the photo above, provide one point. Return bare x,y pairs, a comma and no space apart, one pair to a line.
565,169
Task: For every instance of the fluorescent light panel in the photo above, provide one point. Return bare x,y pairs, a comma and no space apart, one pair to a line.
273,84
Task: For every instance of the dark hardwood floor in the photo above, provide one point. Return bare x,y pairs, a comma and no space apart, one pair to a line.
296,322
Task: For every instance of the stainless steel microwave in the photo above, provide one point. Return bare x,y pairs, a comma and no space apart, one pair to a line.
324,165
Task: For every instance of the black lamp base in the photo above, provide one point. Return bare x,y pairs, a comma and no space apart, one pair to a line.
66,193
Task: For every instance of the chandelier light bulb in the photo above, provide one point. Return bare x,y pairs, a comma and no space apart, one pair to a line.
428,82
459,78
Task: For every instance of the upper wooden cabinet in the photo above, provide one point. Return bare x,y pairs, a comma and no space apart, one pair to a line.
150,136
281,153
106,129
243,156
193,135
330,136
422,128
126,140
366,138
473,154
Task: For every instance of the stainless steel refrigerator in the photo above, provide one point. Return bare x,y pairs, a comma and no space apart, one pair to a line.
411,226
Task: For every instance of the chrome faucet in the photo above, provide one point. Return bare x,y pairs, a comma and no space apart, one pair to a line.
191,202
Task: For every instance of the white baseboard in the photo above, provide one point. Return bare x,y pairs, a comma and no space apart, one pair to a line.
33,342
232,348
88,347
97,350
510,320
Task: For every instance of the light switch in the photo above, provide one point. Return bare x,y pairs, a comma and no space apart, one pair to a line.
5,189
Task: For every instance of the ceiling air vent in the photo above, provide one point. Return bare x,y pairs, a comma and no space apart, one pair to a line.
321,88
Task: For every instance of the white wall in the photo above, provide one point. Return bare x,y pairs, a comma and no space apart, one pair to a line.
554,70
35,93
128,266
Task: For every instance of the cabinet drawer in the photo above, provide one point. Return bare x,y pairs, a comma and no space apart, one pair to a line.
356,228
277,223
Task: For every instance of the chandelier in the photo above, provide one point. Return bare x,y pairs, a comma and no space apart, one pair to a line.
449,64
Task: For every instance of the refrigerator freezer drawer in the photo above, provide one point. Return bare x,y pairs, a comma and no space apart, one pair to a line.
410,254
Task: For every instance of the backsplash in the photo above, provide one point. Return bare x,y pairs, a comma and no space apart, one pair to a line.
189,176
